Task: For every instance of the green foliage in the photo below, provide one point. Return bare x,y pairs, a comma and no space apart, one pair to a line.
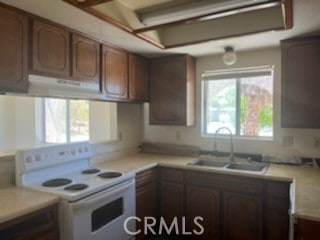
79,111
226,98
266,117
243,108
223,102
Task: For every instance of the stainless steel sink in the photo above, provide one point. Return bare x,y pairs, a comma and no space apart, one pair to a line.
232,166
208,163
247,167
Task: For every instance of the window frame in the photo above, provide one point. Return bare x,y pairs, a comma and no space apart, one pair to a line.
237,74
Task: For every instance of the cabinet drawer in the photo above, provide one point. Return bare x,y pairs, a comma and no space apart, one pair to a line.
172,175
146,177
225,182
280,190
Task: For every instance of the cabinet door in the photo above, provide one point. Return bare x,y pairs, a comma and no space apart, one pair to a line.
242,216
115,72
203,202
138,78
277,224
13,51
171,92
51,50
307,230
86,59
171,201
52,235
300,83
277,211
146,205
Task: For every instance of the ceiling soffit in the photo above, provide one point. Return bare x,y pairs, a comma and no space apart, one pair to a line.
186,22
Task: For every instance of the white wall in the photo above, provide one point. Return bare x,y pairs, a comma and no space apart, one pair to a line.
18,125
303,138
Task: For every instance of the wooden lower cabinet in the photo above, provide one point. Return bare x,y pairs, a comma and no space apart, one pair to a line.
242,215
171,201
307,230
205,203
52,235
276,210
146,198
40,225
232,207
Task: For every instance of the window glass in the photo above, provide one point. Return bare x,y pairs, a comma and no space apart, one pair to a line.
79,120
55,111
66,120
242,103
221,105
256,106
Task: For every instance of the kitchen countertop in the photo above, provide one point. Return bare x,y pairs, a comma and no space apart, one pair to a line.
16,202
305,192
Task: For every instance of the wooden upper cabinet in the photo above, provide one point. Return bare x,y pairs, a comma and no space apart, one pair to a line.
115,72
13,51
300,83
138,78
85,59
172,92
51,51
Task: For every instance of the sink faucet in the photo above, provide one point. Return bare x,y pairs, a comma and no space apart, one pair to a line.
231,141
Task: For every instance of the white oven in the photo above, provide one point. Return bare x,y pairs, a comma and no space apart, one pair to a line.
95,201
100,216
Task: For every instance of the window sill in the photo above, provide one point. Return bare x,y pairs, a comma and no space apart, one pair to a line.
236,137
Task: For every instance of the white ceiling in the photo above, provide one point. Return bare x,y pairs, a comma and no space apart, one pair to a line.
137,5
306,22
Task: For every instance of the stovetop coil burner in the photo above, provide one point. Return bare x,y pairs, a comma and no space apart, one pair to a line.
91,171
110,175
76,187
56,182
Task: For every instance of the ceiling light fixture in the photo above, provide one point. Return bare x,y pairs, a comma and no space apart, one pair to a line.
195,9
229,57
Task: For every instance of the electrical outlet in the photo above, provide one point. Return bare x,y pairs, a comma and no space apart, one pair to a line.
316,142
178,135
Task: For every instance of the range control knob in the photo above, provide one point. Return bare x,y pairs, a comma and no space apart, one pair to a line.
80,150
73,151
29,159
38,158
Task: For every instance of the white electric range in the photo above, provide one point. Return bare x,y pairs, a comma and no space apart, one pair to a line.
95,201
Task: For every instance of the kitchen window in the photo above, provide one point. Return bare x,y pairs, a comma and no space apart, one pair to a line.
239,99
65,120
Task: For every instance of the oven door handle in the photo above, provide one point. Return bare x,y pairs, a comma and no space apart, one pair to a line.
102,195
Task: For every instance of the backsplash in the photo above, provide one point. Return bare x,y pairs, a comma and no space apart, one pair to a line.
6,171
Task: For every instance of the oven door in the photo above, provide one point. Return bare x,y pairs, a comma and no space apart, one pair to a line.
102,215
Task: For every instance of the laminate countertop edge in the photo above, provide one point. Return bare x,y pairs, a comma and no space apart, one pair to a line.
16,202
305,187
